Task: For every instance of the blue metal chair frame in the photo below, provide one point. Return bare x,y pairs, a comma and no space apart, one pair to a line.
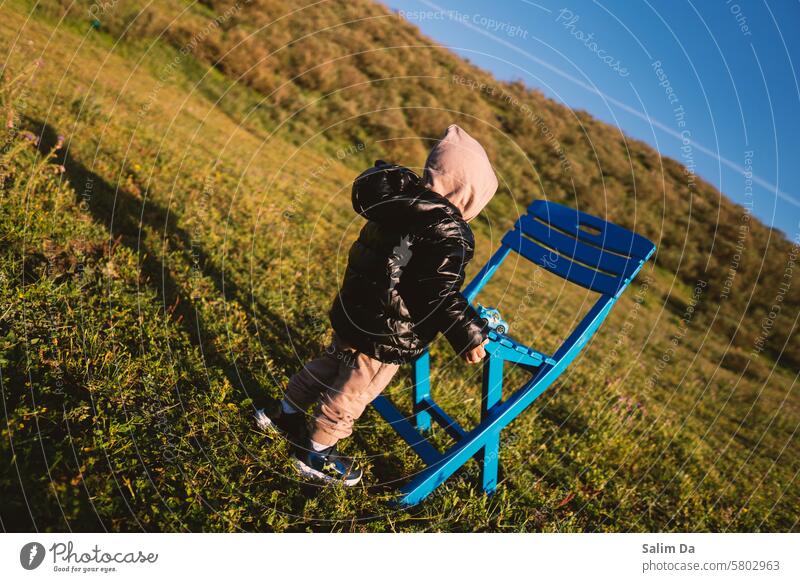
581,248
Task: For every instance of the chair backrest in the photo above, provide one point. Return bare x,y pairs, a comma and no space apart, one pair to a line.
579,247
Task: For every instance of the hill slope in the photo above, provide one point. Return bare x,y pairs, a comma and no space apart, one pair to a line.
172,261
331,73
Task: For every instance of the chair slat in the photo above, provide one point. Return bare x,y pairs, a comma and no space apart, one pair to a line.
562,266
609,236
575,249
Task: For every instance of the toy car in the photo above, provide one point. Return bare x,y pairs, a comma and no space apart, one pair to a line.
491,317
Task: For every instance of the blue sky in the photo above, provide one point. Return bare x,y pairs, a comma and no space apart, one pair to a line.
711,82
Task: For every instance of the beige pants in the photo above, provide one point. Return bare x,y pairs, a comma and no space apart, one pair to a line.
341,383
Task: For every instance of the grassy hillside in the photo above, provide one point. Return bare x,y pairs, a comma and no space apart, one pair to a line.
175,220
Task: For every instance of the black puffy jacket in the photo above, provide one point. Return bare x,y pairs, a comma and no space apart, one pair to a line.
404,274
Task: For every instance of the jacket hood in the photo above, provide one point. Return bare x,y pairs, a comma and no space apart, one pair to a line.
459,169
388,193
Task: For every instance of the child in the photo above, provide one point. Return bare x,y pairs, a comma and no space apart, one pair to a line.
401,287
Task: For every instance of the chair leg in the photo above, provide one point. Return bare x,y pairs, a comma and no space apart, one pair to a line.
492,384
492,394
490,462
435,474
422,390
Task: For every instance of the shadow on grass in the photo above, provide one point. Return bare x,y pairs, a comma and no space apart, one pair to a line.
123,215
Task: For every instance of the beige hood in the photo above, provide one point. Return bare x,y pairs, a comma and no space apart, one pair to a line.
459,169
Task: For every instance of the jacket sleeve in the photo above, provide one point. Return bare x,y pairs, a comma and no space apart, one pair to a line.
440,268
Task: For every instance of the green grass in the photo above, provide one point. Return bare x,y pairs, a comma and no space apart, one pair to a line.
163,274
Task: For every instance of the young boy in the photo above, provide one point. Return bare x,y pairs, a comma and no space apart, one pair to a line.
401,287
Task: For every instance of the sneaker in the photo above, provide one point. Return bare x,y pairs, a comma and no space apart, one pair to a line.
290,426
327,466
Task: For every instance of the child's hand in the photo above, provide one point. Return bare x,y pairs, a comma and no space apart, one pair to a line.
476,354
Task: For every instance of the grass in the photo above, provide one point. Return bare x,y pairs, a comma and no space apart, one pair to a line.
166,266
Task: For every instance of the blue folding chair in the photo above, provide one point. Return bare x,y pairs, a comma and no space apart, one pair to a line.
576,246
